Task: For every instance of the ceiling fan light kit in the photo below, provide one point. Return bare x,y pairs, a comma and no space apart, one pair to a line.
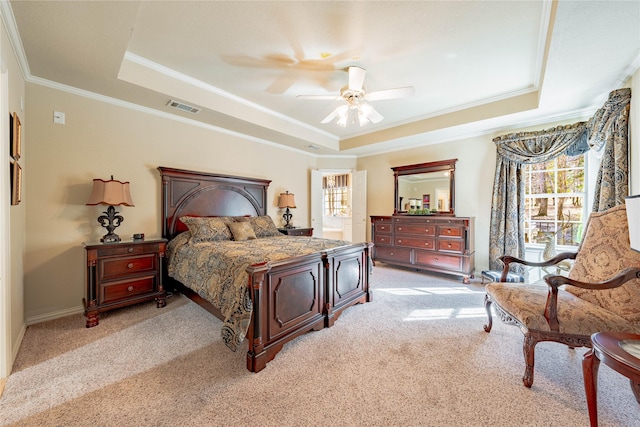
354,95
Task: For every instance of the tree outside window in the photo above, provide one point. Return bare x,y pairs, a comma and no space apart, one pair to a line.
554,201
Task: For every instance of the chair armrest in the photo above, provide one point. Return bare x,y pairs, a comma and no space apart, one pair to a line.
554,282
508,259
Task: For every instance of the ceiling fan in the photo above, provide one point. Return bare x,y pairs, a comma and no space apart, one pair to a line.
355,96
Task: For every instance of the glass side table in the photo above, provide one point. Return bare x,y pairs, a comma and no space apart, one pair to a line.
619,351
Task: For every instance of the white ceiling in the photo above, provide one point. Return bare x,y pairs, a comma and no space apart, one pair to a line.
477,66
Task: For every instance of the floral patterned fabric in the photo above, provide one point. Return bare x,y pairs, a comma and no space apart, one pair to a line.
207,229
217,272
609,128
576,316
604,252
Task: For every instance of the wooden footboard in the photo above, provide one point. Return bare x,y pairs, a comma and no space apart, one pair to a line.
301,294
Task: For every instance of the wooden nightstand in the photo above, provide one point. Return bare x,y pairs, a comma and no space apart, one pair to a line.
297,231
122,274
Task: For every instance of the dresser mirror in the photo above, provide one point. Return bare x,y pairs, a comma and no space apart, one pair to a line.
425,188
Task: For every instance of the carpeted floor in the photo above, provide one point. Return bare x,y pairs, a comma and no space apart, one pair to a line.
415,356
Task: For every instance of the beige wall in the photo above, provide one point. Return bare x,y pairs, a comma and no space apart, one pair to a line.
17,213
100,140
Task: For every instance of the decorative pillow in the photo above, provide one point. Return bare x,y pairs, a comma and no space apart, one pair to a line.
264,226
604,252
242,231
207,229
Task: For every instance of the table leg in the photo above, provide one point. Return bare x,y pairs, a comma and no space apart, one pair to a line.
590,365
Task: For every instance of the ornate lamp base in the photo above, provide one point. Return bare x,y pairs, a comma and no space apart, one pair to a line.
287,218
110,220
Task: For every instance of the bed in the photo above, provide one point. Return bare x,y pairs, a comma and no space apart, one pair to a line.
286,297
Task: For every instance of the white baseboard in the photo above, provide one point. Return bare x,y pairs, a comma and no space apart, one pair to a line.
32,320
15,346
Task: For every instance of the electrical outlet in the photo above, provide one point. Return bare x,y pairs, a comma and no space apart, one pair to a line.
58,117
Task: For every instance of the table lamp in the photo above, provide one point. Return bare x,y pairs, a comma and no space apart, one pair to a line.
111,193
287,201
633,218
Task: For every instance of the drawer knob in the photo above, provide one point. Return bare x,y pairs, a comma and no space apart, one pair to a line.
449,244
448,231
399,228
130,250
391,253
130,288
130,265
399,241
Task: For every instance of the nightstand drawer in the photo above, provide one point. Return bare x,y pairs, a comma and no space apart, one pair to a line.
111,268
124,249
125,290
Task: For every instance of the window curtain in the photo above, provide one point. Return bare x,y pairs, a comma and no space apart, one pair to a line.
608,128
609,133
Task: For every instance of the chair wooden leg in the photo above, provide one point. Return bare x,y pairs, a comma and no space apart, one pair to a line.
528,348
487,306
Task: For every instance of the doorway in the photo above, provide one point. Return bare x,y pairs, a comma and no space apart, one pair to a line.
338,204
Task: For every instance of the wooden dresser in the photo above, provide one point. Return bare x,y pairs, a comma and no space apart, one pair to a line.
440,244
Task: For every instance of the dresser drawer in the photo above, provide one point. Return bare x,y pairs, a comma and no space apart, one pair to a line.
111,268
414,242
124,290
383,227
451,245
393,254
439,260
450,231
424,230
382,239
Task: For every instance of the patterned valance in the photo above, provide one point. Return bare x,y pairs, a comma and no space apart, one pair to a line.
542,146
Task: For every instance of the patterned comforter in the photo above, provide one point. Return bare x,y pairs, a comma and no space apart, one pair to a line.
216,271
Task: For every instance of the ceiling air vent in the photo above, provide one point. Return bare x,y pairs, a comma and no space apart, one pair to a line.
183,107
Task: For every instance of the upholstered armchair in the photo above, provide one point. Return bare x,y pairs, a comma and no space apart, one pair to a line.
600,293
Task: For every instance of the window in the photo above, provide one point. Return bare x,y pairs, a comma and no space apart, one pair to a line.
336,192
555,201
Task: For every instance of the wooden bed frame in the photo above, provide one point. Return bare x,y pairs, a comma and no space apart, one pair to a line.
290,297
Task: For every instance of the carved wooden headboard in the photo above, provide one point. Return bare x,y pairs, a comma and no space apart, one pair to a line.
206,194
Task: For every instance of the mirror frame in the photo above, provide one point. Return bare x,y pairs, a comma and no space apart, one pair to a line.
439,166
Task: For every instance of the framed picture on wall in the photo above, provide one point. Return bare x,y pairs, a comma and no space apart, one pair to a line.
16,128
16,182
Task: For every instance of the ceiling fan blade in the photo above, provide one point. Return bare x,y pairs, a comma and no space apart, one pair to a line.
330,117
400,92
371,113
282,83
356,78
336,97
339,111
